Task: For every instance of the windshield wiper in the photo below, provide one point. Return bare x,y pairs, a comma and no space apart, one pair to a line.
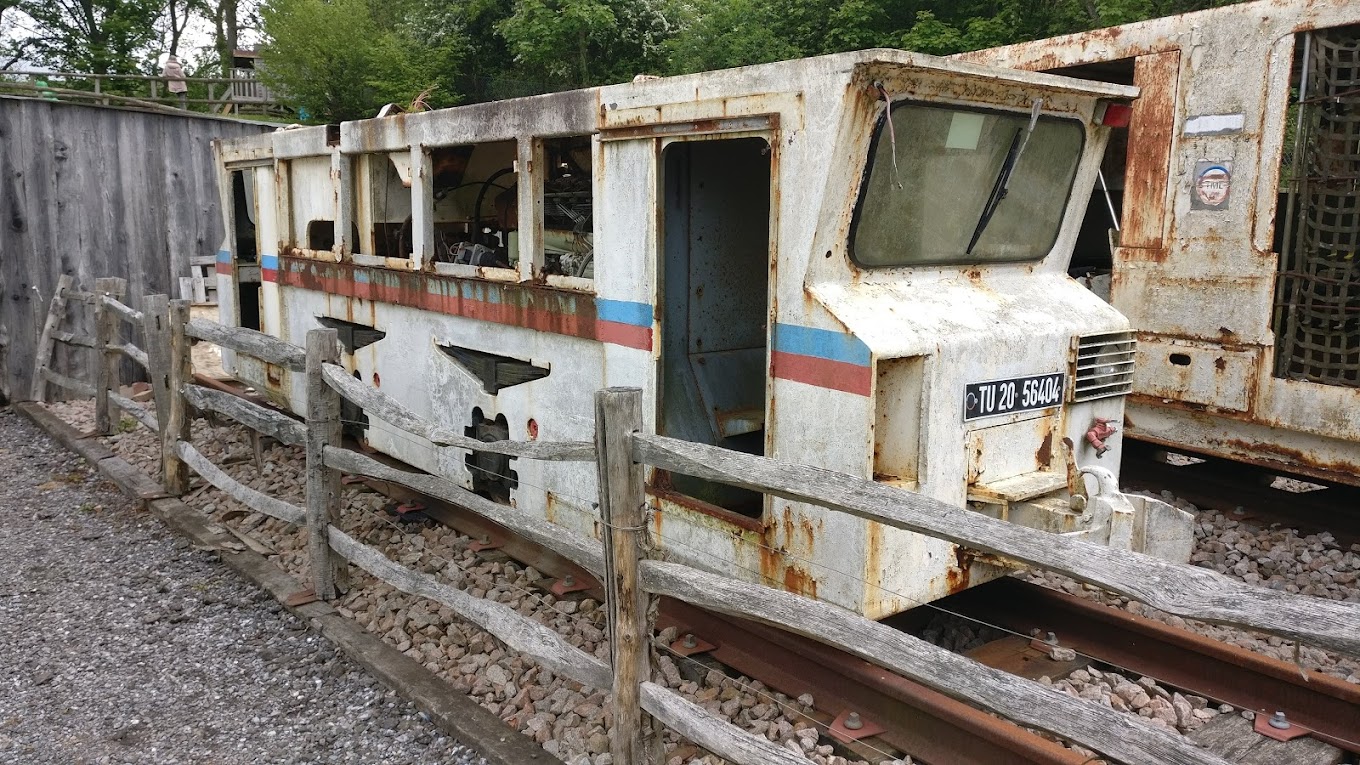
1002,183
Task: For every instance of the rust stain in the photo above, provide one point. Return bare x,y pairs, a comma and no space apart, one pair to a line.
799,581
1149,153
958,575
1141,254
873,572
550,509
377,380
1044,455
690,503
1291,456
1220,363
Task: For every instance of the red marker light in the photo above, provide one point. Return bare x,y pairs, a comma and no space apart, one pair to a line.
1116,115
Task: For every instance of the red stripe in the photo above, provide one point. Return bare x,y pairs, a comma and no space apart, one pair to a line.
451,302
269,274
224,268
628,335
823,373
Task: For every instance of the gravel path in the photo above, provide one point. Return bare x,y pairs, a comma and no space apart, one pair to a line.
119,643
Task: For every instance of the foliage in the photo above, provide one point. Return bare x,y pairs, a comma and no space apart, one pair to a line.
99,36
570,43
332,58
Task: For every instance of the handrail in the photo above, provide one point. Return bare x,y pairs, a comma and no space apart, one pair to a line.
92,76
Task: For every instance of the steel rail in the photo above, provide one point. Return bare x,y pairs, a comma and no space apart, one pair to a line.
1326,705
920,721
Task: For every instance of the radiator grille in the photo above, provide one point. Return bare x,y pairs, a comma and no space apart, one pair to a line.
1104,366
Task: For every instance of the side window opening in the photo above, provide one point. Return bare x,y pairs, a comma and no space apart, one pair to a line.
382,193
568,207
476,215
1092,257
321,234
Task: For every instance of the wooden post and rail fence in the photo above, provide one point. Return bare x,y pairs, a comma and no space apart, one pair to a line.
632,576
223,94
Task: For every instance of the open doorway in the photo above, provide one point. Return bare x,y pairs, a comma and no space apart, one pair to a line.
714,290
245,246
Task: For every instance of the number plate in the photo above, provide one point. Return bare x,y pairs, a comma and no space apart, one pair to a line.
1022,394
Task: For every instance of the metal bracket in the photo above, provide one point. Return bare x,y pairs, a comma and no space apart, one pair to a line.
567,584
487,542
1278,727
850,726
689,645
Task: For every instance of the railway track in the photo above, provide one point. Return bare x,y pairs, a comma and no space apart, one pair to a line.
906,718
1249,492
939,730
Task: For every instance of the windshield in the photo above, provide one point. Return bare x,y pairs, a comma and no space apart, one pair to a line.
927,207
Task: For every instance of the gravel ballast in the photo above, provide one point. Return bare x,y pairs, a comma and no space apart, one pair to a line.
570,721
124,644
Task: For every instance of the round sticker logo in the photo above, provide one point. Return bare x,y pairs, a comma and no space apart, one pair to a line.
1212,185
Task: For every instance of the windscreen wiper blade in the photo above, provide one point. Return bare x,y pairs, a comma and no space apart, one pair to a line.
1002,183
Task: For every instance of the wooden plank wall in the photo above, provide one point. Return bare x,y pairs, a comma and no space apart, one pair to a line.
93,192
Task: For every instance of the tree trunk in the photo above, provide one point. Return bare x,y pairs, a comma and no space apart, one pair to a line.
227,23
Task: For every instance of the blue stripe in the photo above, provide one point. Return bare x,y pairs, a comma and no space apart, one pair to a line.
270,262
820,343
624,312
223,256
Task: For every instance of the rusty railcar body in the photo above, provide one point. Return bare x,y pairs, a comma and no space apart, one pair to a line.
784,265
1238,251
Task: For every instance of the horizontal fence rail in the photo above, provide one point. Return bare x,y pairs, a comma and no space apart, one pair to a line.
266,348
509,626
131,351
69,383
135,411
126,313
1187,591
584,552
71,338
255,500
269,422
242,90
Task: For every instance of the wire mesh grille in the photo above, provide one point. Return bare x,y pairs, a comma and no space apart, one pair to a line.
1317,317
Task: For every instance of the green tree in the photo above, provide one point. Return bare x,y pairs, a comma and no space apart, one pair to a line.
333,57
587,42
98,36
720,34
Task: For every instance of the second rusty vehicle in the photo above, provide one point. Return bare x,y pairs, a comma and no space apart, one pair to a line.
856,261
1235,196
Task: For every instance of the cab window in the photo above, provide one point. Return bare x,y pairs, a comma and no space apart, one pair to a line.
968,186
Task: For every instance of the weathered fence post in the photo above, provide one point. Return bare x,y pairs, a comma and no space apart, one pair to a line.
618,414
106,361
170,366
46,341
329,572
